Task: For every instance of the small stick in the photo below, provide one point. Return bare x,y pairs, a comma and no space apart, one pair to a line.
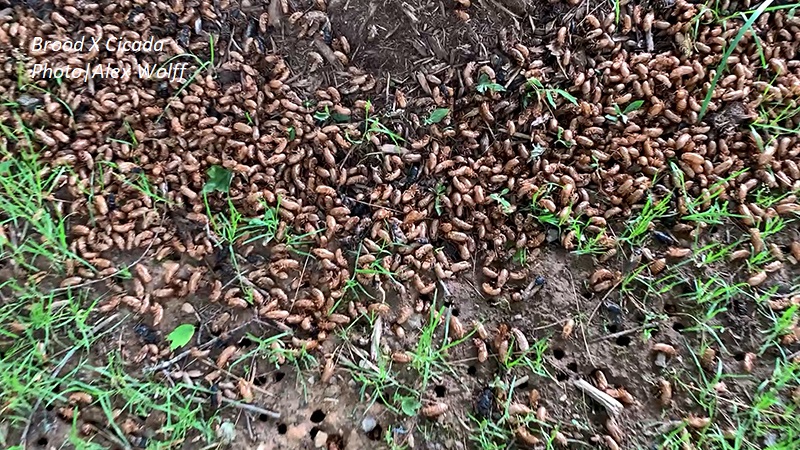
521,381
377,332
611,405
251,408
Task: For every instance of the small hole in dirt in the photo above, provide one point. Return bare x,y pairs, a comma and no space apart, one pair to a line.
471,370
523,385
573,366
670,308
279,376
456,312
313,432
559,353
623,341
677,326
42,441
282,428
562,376
375,434
263,418
587,294
739,356
612,328
49,407
713,229
245,342
317,416
260,380
440,390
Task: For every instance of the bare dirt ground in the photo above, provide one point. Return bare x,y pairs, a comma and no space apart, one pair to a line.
400,224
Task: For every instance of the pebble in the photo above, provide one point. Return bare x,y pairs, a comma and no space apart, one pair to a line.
415,322
368,424
321,439
28,102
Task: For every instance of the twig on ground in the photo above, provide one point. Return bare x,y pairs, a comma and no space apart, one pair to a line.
583,328
622,333
611,405
252,408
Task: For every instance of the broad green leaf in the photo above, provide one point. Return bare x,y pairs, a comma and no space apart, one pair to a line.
322,116
536,83
485,83
180,336
633,106
550,98
570,98
410,406
437,115
219,179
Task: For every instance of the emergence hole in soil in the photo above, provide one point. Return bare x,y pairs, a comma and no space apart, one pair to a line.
677,326
440,390
260,380
573,366
279,376
456,312
282,428
670,308
739,356
313,433
612,328
42,441
562,376
264,418
375,434
317,416
587,294
245,342
471,370
49,407
523,385
559,353
623,341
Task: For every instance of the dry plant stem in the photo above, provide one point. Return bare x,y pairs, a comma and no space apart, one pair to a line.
623,333
95,330
377,333
583,328
252,408
611,405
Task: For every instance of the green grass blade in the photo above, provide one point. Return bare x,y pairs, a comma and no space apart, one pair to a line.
724,62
